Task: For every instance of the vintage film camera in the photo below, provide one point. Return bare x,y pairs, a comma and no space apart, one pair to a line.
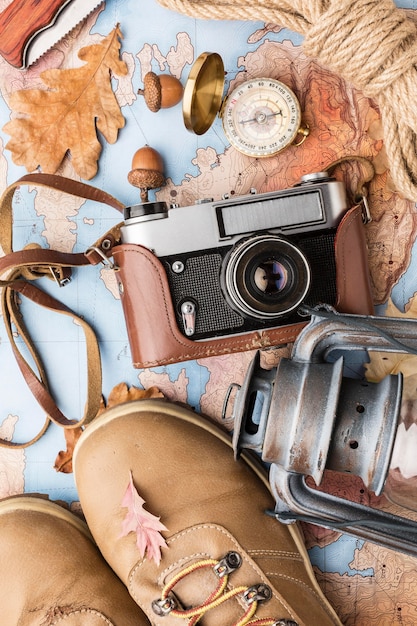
245,263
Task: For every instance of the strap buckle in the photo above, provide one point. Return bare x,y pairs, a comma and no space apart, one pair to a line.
60,277
103,258
366,212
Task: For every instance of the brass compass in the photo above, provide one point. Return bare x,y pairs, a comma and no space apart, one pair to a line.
260,117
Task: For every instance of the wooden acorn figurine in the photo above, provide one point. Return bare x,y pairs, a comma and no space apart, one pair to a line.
147,171
161,91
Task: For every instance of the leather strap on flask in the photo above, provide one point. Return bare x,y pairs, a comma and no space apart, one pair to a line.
19,270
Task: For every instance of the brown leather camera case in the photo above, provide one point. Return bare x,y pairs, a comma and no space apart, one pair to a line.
150,317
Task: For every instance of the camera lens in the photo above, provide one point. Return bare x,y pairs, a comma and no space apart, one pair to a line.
265,277
271,276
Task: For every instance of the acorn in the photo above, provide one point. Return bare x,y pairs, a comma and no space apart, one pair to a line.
147,171
161,92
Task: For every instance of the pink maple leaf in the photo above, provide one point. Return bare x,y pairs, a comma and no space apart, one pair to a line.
147,527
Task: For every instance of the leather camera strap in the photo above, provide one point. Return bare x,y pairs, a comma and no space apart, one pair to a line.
19,269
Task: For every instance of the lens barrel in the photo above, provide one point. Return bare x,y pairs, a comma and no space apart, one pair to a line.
265,277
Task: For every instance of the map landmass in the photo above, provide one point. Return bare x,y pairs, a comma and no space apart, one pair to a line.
175,390
175,60
12,462
375,586
379,599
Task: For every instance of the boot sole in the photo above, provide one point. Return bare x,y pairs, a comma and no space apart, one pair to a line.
176,410
46,507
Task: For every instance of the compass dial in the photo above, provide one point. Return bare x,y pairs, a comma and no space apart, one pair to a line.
261,117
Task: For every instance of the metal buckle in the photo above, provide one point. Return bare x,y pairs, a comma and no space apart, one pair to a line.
104,259
366,213
61,282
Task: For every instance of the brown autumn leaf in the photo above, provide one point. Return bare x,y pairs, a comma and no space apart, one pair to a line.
119,394
63,461
122,393
77,103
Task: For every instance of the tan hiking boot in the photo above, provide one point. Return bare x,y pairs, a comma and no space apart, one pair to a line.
226,562
53,574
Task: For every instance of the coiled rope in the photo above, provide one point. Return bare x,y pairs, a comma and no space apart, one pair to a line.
370,43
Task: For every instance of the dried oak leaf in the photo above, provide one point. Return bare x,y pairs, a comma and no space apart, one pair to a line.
122,393
63,461
119,394
145,525
66,116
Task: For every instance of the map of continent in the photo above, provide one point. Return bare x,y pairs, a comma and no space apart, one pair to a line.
368,585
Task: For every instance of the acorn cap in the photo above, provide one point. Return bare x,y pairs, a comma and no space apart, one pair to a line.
152,91
146,179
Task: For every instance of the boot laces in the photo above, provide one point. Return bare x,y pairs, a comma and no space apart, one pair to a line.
252,596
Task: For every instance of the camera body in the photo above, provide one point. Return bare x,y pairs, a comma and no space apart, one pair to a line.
245,263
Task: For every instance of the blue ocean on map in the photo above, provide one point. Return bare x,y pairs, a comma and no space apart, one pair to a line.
337,557
406,286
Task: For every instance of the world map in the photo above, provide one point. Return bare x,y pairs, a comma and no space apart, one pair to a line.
366,583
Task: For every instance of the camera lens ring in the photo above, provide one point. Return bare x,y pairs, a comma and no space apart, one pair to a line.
265,277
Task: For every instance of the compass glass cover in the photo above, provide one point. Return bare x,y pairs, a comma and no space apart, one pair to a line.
261,117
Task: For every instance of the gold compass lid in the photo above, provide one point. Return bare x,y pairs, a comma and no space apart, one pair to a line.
203,92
